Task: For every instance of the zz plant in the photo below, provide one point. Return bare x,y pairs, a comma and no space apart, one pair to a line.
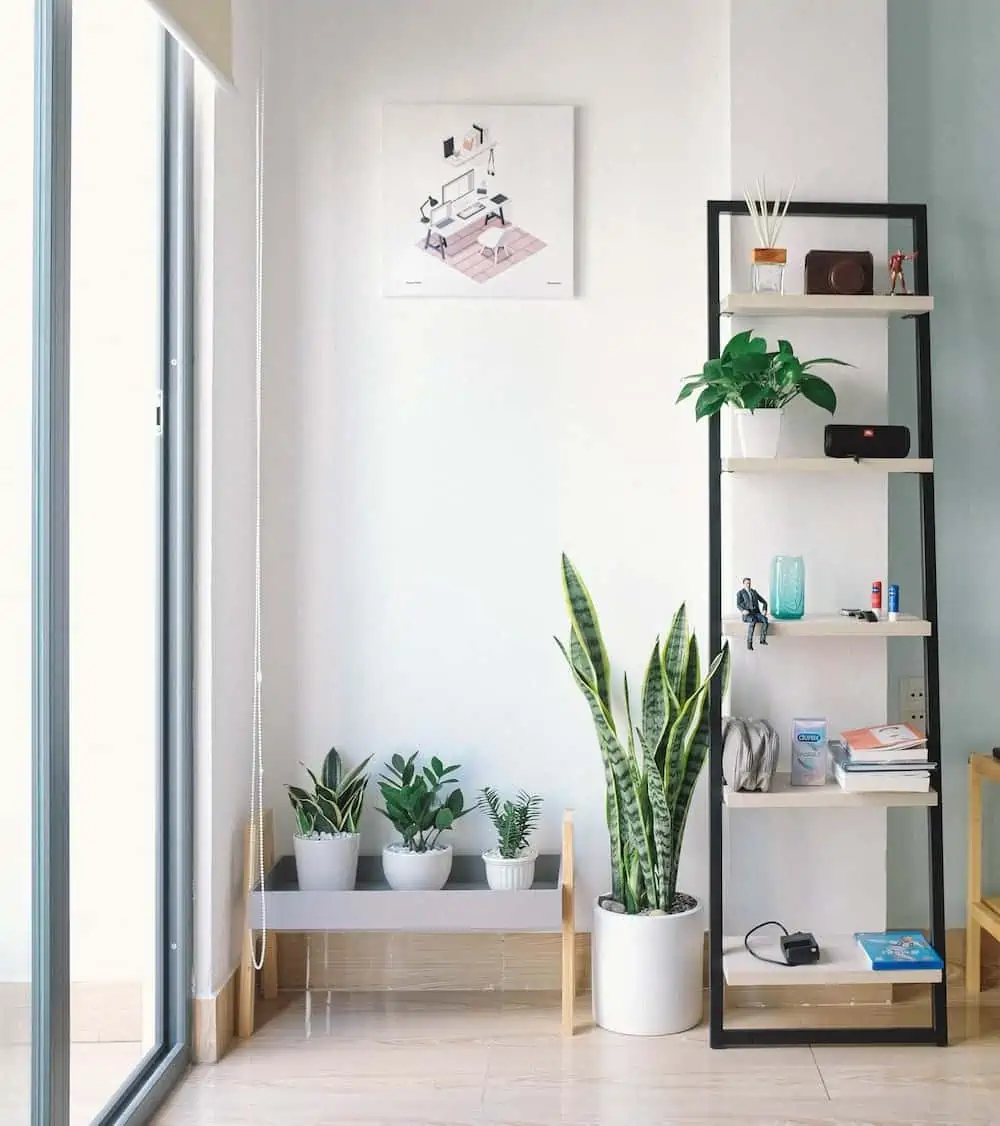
336,800
650,768
750,377
514,821
416,803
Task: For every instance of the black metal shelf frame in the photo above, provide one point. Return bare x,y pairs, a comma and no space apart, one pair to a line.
936,1033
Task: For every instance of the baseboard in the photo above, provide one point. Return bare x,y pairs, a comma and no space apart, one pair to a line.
213,1023
362,962
101,1012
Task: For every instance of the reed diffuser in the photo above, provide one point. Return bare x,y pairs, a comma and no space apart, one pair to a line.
767,259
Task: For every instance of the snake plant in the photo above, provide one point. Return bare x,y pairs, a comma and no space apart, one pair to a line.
651,768
334,806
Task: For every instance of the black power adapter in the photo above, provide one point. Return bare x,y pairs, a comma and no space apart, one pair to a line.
800,948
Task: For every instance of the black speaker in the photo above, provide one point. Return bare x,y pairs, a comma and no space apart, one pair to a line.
866,441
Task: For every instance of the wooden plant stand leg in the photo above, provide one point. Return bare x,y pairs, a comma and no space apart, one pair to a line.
973,928
568,887
269,971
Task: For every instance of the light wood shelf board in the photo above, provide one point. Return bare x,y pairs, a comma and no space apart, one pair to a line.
872,466
783,795
834,625
841,962
823,305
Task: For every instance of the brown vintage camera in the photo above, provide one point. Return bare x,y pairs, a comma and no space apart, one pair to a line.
849,273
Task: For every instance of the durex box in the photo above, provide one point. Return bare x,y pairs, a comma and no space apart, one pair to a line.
809,752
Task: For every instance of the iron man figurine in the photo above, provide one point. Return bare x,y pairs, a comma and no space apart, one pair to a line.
896,274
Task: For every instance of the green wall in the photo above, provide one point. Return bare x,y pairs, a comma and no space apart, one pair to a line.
944,148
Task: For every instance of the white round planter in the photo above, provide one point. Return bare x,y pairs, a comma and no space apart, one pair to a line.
328,862
516,874
647,971
416,871
759,431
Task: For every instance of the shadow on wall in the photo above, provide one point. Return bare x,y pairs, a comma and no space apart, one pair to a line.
943,87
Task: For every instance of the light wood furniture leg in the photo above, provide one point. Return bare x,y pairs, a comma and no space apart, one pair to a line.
568,888
248,974
269,971
973,929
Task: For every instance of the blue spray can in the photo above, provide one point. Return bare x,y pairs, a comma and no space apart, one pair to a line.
893,602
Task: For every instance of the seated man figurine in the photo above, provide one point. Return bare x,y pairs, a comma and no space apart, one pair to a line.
749,603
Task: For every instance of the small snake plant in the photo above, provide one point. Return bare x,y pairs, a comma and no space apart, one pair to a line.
335,804
514,821
651,769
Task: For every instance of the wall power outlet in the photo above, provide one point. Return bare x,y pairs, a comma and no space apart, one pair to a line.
912,703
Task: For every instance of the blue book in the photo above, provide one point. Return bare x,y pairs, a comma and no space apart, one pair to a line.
898,950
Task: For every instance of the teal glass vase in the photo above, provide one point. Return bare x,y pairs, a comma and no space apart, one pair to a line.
788,587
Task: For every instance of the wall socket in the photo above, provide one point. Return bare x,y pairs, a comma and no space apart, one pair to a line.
912,704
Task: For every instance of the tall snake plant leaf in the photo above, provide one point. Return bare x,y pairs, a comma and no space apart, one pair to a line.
630,813
692,667
583,616
682,735
698,751
611,804
662,834
654,701
675,652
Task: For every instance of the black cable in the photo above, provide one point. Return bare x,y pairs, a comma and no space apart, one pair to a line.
754,930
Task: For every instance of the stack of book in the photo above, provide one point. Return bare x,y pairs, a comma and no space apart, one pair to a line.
898,950
892,757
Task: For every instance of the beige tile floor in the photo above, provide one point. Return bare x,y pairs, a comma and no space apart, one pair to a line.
498,1059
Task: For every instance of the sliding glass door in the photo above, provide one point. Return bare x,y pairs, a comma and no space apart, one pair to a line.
109,594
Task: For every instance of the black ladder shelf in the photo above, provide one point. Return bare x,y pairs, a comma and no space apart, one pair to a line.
935,1033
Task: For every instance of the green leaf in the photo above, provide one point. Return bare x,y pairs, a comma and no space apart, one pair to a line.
754,396
331,769
689,389
825,360
709,402
398,763
443,819
437,765
682,735
662,835
455,802
654,700
675,652
583,617
692,668
785,348
820,392
698,751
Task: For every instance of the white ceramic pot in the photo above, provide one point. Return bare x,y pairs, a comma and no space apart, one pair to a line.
516,874
327,863
647,971
759,431
416,871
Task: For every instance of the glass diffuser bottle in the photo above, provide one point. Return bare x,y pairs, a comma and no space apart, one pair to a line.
788,587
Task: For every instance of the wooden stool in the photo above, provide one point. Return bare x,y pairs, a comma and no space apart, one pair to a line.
981,913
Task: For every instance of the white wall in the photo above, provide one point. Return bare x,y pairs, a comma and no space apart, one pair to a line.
225,500
427,461
832,136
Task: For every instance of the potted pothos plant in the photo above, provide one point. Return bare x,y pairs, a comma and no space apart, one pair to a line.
421,803
757,384
327,820
647,936
510,866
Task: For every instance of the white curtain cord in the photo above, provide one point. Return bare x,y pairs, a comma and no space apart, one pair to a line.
257,725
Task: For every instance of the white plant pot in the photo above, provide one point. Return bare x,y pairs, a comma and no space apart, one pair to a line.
647,971
416,871
759,431
516,874
327,863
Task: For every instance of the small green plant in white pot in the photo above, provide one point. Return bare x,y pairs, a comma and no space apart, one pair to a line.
421,804
327,820
647,960
510,866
